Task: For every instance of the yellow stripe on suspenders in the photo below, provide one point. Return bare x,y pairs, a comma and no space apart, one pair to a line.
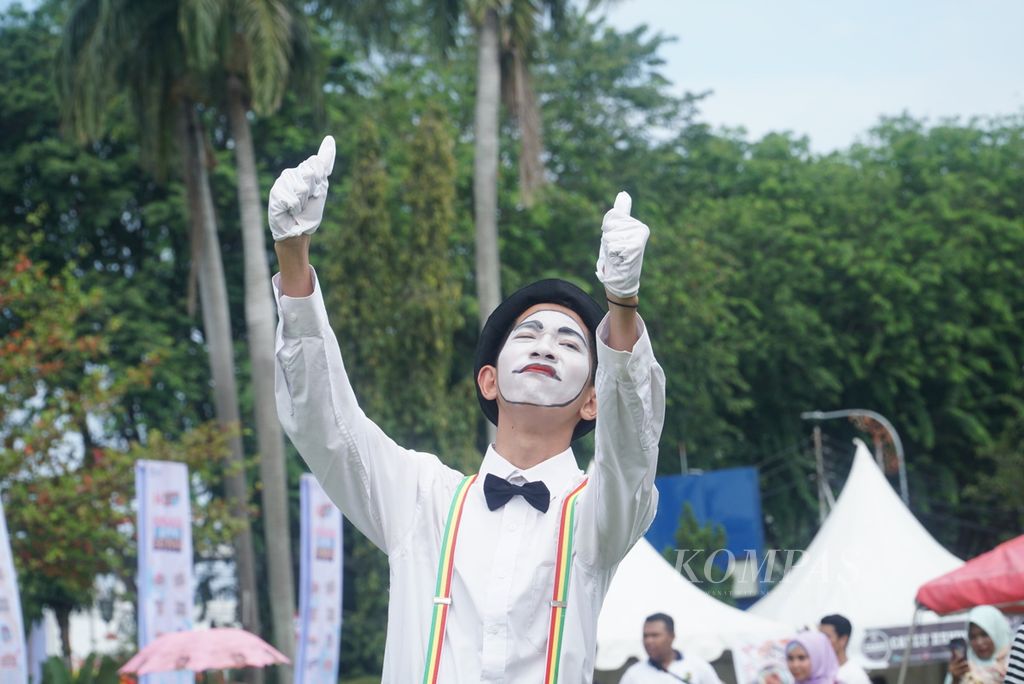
563,568
443,592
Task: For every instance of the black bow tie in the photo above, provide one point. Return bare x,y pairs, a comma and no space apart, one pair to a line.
498,492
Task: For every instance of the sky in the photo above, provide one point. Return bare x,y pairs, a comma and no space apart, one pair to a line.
830,69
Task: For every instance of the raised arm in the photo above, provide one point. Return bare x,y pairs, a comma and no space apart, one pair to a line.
621,500
376,483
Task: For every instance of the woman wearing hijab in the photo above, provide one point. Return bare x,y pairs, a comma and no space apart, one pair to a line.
811,659
988,638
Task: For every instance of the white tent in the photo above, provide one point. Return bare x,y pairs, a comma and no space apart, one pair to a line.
866,563
646,583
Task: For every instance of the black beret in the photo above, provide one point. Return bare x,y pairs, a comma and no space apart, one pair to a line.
499,323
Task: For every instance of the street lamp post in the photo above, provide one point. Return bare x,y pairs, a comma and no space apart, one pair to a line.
884,422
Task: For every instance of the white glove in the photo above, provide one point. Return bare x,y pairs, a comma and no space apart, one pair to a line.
296,203
622,249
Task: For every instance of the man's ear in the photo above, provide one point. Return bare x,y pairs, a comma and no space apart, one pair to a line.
487,381
588,410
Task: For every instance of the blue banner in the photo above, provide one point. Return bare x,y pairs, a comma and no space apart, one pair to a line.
730,497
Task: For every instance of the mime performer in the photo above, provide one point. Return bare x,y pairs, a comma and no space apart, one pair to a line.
498,575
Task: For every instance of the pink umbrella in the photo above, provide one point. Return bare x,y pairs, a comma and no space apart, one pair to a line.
207,649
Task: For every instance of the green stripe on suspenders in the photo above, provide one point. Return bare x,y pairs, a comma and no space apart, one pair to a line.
446,564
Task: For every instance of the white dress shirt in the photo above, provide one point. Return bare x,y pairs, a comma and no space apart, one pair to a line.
852,673
504,559
685,669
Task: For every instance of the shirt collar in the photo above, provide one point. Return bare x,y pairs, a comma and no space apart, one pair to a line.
657,666
559,473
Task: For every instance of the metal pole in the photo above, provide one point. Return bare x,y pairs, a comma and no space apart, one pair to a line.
819,465
906,651
874,415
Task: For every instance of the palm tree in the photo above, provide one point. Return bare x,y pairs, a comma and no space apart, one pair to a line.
249,50
517,91
259,46
134,49
258,49
505,32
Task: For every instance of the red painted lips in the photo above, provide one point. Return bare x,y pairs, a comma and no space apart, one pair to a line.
539,368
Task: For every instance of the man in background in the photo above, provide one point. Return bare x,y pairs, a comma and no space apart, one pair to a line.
838,630
665,664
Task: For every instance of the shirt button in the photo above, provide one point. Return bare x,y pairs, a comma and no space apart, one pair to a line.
493,629
513,527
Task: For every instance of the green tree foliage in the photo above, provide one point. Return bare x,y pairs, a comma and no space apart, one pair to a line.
56,671
697,548
434,410
386,262
66,477
394,300
94,207
997,499
63,507
880,278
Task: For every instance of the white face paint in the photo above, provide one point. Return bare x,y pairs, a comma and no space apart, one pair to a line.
545,360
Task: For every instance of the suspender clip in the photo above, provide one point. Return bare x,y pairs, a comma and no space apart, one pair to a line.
557,604
443,600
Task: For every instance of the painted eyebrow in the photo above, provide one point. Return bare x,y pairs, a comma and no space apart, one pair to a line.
570,331
536,325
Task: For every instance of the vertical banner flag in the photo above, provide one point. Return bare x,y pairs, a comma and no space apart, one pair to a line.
13,652
165,556
36,651
320,569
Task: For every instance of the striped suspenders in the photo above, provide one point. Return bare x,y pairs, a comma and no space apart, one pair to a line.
559,594
563,566
443,592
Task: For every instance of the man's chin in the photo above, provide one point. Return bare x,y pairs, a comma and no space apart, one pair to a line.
539,414
538,404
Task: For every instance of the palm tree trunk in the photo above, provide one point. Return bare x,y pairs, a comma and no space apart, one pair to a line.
63,615
485,170
259,314
527,113
485,166
217,330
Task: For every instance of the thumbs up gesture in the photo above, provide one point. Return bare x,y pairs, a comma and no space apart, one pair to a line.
623,239
297,199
